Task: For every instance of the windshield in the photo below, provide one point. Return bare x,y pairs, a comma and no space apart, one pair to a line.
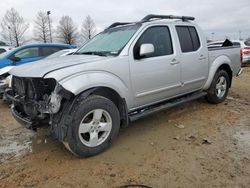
109,42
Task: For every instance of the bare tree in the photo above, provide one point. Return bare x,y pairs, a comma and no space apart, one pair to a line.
88,28
13,27
41,27
67,31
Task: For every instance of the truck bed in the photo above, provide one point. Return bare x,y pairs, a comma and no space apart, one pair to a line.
229,53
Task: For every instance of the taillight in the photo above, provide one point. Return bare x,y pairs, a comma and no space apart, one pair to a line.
246,51
241,56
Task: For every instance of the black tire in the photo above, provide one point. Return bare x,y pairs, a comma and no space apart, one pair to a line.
212,95
79,111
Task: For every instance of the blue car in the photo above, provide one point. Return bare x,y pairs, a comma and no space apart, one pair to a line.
30,53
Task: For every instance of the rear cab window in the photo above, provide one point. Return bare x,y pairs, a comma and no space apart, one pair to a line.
188,38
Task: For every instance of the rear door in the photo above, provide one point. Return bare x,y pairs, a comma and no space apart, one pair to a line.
194,58
154,77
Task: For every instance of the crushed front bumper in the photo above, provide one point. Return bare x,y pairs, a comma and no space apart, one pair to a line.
3,86
22,114
19,116
21,119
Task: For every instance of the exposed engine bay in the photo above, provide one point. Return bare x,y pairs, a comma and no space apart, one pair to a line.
37,98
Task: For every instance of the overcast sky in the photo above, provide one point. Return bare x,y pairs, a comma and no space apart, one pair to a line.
221,17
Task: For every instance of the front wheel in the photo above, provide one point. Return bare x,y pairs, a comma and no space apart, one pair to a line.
95,124
218,90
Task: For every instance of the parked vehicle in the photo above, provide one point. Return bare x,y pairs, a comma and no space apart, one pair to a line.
30,53
62,53
5,49
5,78
22,55
245,48
127,72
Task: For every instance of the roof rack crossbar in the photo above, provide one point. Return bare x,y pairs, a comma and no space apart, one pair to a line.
153,16
118,24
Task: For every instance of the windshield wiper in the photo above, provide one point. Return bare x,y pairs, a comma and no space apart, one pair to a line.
99,53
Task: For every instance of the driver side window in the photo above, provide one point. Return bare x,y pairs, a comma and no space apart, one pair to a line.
160,37
27,53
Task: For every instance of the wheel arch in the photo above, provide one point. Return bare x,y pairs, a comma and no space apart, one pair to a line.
63,120
110,94
114,96
227,68
221,63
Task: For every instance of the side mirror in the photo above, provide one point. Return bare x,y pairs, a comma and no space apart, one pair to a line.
15,59
146,49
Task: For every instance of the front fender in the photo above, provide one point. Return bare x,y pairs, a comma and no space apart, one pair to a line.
82,81
214,67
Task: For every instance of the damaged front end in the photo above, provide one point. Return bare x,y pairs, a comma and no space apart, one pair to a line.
36,100
3,86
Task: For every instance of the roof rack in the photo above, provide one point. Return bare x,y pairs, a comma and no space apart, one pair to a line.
153,16
118,24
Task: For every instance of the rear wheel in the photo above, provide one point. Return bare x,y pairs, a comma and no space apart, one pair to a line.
218,90
95,124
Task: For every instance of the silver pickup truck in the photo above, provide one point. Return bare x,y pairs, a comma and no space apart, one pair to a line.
126,72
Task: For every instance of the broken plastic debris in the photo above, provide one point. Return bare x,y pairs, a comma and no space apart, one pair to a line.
180,126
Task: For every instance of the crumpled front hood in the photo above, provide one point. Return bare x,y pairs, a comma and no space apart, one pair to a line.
39,69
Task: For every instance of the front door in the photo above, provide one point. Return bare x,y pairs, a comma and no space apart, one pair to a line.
154,77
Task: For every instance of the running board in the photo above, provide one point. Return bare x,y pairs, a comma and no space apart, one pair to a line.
163,106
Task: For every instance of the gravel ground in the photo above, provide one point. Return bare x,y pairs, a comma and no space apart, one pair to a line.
193,145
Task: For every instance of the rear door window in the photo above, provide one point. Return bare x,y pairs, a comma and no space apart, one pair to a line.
188,38
195,38
48,50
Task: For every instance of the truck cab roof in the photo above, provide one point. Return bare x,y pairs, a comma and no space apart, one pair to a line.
156,19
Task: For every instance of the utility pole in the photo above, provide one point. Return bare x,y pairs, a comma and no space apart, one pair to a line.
48,13
239,35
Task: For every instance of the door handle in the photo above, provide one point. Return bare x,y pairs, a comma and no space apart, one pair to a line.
202,57
174,62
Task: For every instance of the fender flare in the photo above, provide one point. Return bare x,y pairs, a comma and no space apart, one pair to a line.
215,65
